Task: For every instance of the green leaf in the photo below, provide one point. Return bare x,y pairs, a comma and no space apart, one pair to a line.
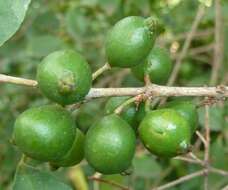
216,115
29,178
145,166
42,45
12,14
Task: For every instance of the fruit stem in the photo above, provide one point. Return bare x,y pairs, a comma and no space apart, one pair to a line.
120,108
98,72
148,97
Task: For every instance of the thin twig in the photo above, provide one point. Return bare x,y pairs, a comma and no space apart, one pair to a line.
225,188
199,15
17,80
207,145
200,162
152,90
218,171
194,51
182,36
218,55
181,180
97,73
192,155
192,161
159,91
201,137
120,108
112,183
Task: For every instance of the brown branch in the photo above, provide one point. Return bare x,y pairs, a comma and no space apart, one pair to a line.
159,91
16,80
187,43
186,159
195,51
218,171
151,90
112,183
207,145
181,180
225,188
218,48
182,36
201,137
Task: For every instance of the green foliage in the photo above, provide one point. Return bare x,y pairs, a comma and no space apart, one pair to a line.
11,17
83,26
28,178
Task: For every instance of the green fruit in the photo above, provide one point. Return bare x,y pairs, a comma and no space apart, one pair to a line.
110,145
45,133
128,113
76,152
85,116
157,65
187,70
165,132
130,41
188,110
64,77
141,112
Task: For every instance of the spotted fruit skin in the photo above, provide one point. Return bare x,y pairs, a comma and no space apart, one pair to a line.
110,145
76,152
187,109
44,133
129,42
165,132
64,77
157,65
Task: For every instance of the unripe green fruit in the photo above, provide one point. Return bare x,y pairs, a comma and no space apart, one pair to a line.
44,133
130,41
165,132
110,145
128,113
64,77
157,65
76,152
188,110
187,70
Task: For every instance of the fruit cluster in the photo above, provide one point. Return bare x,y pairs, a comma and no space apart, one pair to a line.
48,133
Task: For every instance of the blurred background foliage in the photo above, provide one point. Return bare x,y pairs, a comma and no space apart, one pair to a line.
82,25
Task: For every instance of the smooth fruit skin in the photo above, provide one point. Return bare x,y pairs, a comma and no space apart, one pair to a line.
157,65
64,77
165,132
76,152
44,133
129,112
110,145
188,110
129,42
